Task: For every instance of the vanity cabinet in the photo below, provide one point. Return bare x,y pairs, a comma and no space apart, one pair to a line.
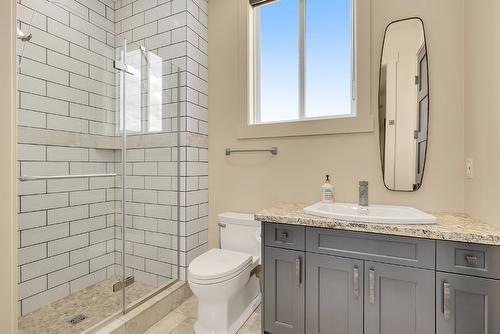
327,281
395,299
334,289
468,288
398,299
284,291
467,304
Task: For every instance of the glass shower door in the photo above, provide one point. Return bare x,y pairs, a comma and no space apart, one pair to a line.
148,110
67,219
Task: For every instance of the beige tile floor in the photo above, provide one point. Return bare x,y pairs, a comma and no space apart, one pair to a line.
97,302
181,320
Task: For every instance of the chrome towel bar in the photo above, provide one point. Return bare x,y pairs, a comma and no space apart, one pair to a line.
59,177
272,150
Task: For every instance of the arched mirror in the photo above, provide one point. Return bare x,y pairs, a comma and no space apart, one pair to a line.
403,102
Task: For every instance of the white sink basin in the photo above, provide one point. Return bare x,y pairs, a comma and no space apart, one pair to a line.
378,214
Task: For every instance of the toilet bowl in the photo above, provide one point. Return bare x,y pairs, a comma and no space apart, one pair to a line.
222,279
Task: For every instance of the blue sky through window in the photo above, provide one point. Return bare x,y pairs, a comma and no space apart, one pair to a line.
327,59
279,57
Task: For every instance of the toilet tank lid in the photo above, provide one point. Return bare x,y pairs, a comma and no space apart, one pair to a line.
238,218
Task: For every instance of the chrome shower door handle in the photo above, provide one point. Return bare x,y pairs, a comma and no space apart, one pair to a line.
298,271
371,293
355,282
446,301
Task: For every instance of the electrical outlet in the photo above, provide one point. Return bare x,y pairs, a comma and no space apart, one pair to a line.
469,168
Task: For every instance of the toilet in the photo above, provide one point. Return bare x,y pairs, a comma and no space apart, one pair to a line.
222,279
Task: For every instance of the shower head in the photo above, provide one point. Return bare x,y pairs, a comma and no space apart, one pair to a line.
23,36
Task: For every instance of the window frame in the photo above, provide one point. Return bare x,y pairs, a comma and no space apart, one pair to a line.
255,58
366,69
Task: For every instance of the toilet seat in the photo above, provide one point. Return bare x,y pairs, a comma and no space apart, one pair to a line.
218,265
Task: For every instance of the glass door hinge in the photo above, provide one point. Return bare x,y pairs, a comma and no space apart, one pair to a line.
118,65
122,284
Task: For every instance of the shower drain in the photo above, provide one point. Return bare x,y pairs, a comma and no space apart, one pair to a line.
77,319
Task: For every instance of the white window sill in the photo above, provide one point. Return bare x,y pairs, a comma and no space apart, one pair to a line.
309,127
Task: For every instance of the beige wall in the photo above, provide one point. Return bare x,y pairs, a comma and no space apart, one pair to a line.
252,182
482,108
8,245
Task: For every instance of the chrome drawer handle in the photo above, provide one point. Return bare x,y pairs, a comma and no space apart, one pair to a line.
355,277
446,301
372,286
471,260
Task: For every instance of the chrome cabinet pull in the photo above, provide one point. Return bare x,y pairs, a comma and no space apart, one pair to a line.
298,271
355,278
446,301
372,286
471,260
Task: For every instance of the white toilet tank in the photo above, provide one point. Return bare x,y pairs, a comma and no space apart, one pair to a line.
240,232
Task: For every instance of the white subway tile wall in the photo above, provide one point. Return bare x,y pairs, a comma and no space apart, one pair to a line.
163,28
70,230
57,225
58,254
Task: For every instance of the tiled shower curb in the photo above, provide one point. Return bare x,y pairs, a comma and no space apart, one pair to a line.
148,313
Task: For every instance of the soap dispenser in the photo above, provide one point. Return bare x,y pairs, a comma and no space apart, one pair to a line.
327,189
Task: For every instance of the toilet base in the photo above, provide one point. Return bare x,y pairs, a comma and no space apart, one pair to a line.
227,318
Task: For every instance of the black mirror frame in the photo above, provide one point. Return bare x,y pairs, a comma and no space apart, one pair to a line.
382,127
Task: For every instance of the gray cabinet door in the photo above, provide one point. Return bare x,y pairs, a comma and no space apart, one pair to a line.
284,291
334,292
467,305
399,300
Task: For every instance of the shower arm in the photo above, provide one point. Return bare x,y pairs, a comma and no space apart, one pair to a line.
23,36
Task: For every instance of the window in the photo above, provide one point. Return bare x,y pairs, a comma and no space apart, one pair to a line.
303,65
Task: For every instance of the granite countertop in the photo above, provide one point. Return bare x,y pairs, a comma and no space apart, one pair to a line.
449,226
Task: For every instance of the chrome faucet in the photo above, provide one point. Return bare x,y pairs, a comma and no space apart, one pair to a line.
363,193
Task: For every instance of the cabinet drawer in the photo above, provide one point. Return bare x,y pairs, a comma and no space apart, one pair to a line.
469,259
406,251
285,236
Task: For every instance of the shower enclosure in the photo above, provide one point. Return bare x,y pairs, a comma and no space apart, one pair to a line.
98,135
